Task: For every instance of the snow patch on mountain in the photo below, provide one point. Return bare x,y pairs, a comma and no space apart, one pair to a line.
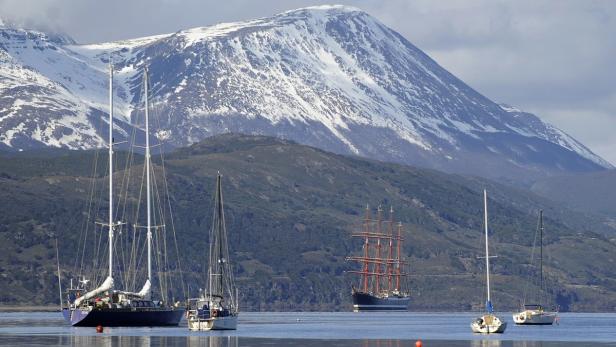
329,76
553,134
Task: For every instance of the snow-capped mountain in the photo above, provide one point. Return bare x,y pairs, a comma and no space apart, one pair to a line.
330,76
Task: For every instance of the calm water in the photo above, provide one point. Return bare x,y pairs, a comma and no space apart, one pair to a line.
318,329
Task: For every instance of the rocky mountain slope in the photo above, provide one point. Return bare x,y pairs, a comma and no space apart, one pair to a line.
333,77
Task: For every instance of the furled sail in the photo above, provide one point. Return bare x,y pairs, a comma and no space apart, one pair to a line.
144,293
146,290
107,285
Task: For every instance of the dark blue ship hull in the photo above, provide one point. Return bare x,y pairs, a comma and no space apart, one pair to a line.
123,317
368,302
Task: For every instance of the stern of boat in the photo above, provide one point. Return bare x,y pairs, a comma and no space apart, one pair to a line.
488,324
214,323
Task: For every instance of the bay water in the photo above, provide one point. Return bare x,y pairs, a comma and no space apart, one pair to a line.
322,329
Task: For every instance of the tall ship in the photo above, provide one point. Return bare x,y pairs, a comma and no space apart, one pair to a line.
381,274
116,300
217,307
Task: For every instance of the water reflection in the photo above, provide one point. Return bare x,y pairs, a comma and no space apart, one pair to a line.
313,330
213,341
234,341
485,343
383,343
532,344
148,341
138,341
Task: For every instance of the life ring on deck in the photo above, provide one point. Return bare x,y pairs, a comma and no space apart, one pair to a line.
215,313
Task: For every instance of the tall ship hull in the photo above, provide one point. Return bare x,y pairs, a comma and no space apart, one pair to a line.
382,264
369,302
123,317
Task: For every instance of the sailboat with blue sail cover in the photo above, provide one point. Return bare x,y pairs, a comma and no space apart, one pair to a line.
488,323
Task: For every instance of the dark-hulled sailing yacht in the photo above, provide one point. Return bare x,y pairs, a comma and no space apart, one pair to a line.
381,273
107,305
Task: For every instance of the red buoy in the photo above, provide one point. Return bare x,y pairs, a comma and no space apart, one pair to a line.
99,329
418,343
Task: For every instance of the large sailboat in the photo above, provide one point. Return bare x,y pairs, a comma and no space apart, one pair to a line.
534,313
380,288
488,323
217,307
107,305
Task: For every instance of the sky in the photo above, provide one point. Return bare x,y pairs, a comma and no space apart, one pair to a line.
556,59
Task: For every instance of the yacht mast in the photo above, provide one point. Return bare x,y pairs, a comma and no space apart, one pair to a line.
366,248
147,170
221,256
485,223
391,249
110,169
398,262
541,250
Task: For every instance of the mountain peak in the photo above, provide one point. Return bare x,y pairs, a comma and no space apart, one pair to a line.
329,9
198,34
16,31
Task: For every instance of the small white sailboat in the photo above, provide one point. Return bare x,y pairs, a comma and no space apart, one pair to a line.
489,323
534,314
217,308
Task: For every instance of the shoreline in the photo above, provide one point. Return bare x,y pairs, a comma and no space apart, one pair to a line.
22,308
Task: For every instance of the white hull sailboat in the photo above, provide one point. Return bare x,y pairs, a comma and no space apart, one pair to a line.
216,308
214,323
534,314
488,323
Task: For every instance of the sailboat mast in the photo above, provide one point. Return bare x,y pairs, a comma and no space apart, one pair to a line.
377,264
366,248
220,231
147,170
541,249
485,223
110,169
399,244
59,278
391,249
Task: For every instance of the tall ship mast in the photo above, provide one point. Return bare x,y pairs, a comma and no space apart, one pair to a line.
382,264
217,307
108,305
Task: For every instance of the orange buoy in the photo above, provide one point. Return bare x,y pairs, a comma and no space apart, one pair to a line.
418,343
99,329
